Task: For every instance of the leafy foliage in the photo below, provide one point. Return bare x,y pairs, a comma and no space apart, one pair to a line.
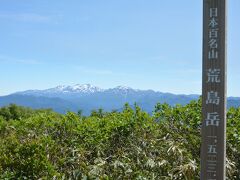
41,144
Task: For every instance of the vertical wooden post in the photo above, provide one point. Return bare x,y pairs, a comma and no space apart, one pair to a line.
213,148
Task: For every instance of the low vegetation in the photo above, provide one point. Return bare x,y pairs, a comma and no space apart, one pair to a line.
42,144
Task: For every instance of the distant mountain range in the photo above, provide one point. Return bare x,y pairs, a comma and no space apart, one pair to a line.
87,97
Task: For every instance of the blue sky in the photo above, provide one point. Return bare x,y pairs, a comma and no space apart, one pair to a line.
144,44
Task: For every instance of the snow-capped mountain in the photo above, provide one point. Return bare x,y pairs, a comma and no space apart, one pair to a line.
78,89
88,97
122,89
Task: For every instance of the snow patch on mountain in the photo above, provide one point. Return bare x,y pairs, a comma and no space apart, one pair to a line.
78,88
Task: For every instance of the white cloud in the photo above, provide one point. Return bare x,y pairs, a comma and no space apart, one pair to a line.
19,61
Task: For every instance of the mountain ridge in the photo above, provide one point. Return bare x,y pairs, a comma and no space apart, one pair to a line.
88,97
88,88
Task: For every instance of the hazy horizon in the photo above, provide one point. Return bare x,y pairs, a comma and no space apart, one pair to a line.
141,44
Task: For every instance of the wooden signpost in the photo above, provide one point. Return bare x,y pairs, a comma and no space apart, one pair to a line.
213,148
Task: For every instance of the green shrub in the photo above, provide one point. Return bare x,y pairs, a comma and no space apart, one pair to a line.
41,144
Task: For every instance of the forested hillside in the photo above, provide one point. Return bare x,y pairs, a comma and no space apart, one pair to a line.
130,144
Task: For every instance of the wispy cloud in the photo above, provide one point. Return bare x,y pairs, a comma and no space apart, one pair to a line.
25,17
94,71
8,59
